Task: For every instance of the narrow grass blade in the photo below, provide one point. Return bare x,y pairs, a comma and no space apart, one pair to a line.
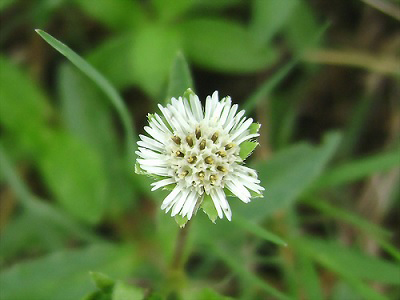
258,230
358,169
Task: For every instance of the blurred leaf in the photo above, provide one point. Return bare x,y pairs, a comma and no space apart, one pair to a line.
308,276
239,268
121,14
113,58
266,88
39,208
302,27
271,82
180,78
102,281
268,17
258,230
23,108
86,113
6,3
169,10
27,233
103,84
346,216
351,261
215,4
358,169
288,174
123,291
154,49
225,46
209,294
76,176
63,275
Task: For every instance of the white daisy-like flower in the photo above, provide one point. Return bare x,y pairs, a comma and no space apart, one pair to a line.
199,153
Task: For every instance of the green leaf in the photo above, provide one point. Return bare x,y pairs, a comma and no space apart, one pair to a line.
351,261
102,281
4,4
246,148
268,17
169,10
29,231
352,265
154,50
215,4
302,27
254,128
102,83
181,221
209,294
345,215
308,276
266,88
209,208
287,175
23,108
119,14
180,78
224,46
86,114
40,209
359,169
235,263
123,291
76,176
114,55
257,230
63,275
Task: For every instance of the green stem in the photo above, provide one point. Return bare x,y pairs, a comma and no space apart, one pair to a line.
180,245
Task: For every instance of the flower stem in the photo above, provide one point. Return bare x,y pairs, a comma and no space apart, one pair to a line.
181,241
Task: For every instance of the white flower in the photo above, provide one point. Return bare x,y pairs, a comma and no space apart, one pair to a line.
198,153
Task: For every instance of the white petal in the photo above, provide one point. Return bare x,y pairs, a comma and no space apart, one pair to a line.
156,170
234,121
147,153
224,203
217,205
153,162
241,139
231,114
150,143
239,190
181,201
242,128
158,184
225,112
196,107
170,198
191,197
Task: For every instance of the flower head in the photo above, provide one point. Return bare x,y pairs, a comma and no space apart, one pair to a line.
199,153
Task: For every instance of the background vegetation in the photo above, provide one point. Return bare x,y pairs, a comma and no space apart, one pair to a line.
321,76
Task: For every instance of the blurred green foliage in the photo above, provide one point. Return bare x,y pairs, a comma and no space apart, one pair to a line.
70,200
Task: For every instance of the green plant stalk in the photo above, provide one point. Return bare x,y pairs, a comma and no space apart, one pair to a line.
178,257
